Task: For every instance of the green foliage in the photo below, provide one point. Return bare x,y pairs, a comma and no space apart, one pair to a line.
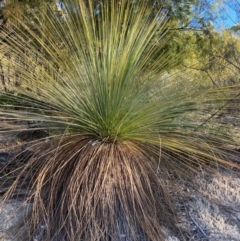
23,9
117,121
216,55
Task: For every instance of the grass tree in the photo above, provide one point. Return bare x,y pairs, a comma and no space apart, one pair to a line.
116,123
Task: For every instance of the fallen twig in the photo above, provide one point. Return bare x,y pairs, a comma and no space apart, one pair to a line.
202,231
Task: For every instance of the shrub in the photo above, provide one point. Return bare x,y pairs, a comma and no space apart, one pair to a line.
117,123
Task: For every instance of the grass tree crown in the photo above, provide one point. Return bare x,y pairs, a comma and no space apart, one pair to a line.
100,73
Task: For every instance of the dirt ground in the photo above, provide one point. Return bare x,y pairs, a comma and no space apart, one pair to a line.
210,214
213,213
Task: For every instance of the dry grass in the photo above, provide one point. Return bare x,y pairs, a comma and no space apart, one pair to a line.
94,190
